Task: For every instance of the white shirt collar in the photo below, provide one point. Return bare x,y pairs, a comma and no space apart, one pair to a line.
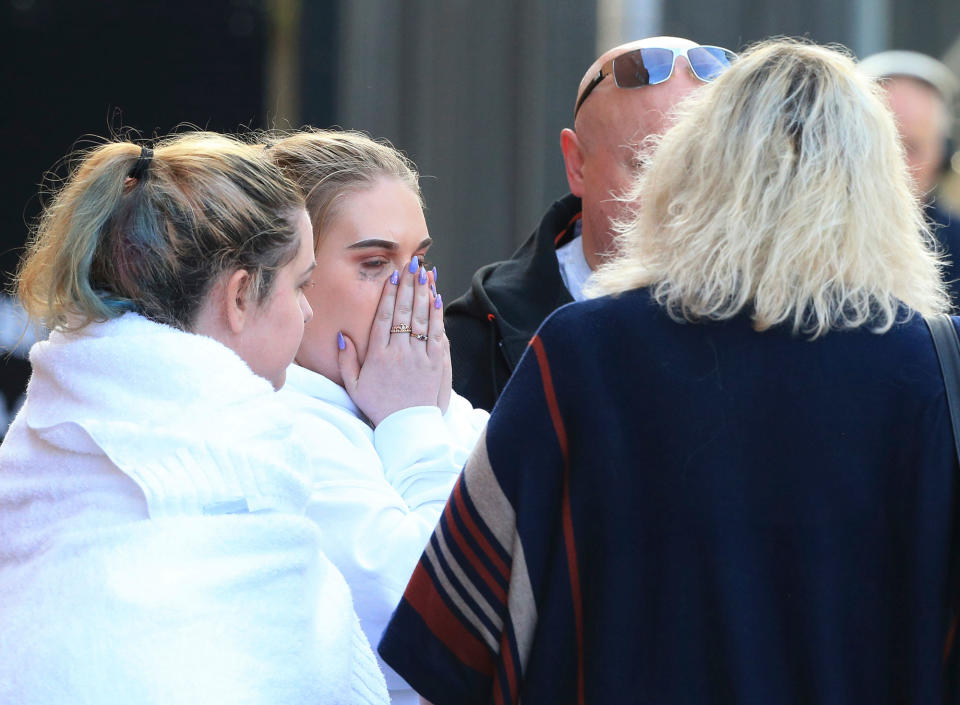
574,269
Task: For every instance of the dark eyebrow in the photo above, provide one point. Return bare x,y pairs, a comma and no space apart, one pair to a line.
373,242
384,244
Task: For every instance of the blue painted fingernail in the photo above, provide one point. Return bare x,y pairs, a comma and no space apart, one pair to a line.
423,275
341,343
414,263
395,277
434,274
438,302
433,290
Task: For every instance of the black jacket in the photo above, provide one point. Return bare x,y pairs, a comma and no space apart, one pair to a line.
946,228
489,326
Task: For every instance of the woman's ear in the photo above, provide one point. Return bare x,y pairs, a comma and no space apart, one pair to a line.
236,300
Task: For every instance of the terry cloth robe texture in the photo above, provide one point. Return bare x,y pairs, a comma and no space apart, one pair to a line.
154,546
377,493
696,514
490,325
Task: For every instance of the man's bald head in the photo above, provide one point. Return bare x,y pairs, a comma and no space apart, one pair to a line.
611,123
659,42
643,110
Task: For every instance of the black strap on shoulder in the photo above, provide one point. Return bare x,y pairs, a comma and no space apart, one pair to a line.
947,345
948,352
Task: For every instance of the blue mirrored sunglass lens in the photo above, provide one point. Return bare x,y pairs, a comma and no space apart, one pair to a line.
709,62
658,63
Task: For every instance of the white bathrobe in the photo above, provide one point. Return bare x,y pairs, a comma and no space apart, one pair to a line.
378,493
153,541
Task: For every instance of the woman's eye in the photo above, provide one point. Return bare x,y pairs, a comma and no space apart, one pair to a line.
372,264
424,263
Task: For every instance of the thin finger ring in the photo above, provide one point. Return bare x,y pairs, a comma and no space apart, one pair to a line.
401,328
418,336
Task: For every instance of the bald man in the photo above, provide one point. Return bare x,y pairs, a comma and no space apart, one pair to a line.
489,326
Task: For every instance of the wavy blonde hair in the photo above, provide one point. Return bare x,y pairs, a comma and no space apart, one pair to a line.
780,191
110,242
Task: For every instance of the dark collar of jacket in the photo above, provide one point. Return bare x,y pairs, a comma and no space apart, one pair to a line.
946,228
518,294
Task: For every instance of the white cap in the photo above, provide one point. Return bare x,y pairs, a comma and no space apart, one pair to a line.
913,64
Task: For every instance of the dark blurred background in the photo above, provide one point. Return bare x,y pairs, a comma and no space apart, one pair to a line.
476,93
77,70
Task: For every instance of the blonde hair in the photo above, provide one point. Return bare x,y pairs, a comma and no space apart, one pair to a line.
153,240
781,190
328,164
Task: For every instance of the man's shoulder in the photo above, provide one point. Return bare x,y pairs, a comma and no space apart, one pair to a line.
530,272
490,325
492,286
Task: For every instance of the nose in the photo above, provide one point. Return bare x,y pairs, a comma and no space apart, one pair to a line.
306,309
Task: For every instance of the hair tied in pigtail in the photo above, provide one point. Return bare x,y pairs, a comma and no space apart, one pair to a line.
139,169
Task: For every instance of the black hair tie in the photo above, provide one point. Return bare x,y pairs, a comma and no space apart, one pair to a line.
139,169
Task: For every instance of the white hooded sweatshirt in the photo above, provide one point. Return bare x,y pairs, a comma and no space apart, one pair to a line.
378,493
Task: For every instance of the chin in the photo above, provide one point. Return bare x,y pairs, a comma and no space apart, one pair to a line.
277,380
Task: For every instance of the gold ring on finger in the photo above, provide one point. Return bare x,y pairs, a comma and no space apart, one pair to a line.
401,328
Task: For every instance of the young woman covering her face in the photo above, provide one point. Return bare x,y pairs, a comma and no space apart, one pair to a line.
152,507
375,363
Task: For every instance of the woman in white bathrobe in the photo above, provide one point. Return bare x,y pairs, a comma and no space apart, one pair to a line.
375,364
154,546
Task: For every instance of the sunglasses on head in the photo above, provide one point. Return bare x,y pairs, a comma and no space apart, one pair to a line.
652,65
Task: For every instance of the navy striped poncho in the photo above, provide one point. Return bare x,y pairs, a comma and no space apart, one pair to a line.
675,514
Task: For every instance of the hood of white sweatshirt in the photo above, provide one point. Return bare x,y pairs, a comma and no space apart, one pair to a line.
181,414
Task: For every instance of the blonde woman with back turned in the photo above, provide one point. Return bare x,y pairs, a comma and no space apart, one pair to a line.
732,478
153,491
